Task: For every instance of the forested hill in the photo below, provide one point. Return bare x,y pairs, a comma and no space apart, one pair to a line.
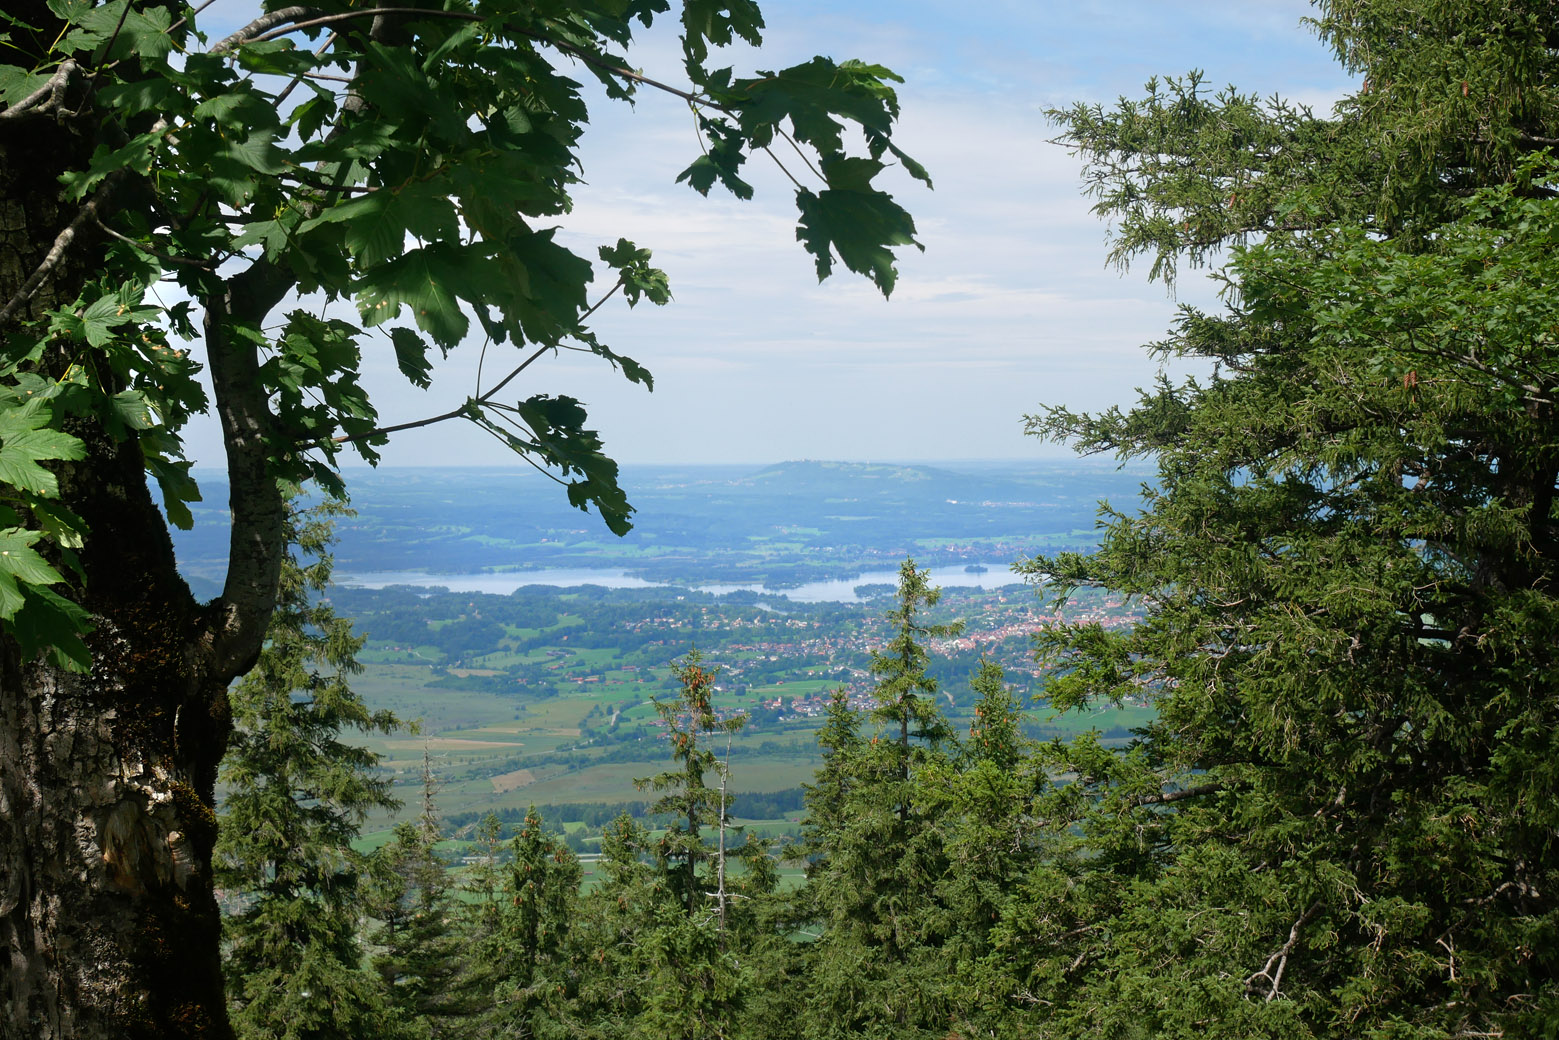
792,522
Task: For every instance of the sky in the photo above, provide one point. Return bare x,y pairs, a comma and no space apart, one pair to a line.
1011,306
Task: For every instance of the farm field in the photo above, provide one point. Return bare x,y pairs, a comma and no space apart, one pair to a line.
509,715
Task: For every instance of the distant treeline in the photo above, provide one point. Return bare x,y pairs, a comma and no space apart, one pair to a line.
761,805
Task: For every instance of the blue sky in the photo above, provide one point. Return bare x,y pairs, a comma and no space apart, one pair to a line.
1010,307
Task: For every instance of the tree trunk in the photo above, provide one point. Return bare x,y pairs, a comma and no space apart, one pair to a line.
107,911
108,919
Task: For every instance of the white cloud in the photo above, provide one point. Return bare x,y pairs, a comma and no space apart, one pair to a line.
1011,304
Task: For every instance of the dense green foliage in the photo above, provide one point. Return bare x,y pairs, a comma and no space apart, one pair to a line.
1342,822
296,793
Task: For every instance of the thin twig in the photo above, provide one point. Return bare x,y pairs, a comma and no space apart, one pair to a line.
62,241
290,87
192,14
597,304
797,148
770,152
113,39
481,359
149,251
485,398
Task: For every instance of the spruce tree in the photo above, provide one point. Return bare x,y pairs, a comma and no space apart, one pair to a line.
604,940
828,797
421,953
872,891
519,932
696,985
1342,820
690,720
994,839
905,693
296,795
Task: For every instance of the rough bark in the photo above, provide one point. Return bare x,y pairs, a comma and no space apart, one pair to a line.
108,919
107,912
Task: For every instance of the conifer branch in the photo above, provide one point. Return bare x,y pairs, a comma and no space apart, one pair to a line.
1276,964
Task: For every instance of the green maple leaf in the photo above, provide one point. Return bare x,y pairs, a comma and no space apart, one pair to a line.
25,441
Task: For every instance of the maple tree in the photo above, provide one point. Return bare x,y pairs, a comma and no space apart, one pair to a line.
325,181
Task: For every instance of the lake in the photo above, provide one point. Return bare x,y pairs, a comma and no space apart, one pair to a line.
838,590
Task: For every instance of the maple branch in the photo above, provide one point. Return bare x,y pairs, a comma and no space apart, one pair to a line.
455,413
149,251
480,398
52,91
628,74
384,431
274,25
264,27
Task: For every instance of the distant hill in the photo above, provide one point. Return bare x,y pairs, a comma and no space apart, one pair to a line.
794,521
810,472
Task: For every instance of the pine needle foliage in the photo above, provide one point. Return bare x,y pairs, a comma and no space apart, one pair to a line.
297,792
1341,822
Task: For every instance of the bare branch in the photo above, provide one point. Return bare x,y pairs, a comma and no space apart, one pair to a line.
258,29
1276,964
277,29
1176,796
88,214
